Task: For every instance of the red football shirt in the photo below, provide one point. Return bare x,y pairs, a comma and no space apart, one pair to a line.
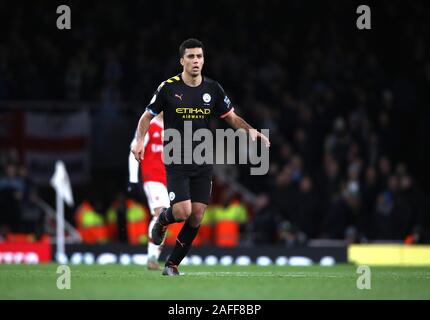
152,166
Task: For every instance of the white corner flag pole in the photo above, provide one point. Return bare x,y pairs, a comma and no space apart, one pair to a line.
60,228
61,183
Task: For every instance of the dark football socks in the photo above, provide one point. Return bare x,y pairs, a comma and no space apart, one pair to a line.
183,244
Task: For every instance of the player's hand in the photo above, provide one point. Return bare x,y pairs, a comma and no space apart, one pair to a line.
138,148
255,134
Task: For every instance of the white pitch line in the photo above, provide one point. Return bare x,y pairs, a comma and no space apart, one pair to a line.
263,274
296,275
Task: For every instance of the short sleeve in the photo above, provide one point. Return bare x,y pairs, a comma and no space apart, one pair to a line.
156,104
133,167
223,105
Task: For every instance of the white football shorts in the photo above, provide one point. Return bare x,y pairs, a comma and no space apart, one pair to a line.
156,194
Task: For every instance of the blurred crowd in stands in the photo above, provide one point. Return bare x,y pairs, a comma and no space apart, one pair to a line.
344,109
19,210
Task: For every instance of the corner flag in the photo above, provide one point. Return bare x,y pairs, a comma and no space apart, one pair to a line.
61,183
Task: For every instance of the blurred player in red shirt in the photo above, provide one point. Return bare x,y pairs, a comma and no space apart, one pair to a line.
153,175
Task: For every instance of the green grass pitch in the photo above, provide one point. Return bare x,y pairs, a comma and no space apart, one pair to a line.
213,283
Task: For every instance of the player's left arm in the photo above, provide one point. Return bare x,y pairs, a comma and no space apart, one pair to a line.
238,122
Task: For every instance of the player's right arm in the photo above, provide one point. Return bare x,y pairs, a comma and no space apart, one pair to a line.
142,128
154,108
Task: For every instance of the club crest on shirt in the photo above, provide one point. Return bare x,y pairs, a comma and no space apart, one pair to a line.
207,98
172,196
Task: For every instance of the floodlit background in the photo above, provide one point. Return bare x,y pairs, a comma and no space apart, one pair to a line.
348,113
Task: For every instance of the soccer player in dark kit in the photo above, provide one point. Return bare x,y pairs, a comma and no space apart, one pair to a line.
192,97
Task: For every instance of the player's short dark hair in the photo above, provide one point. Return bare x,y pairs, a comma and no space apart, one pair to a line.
189,44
